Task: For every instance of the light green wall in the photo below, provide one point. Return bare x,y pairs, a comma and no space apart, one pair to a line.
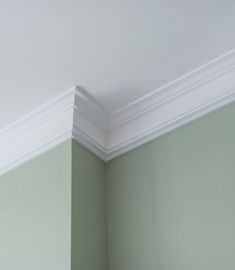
170,205
171,202
53,214
89,243
35,213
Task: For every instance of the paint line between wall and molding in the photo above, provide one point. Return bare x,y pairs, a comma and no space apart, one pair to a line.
76,114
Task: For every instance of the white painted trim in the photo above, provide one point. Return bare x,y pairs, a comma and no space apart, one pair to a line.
37,132
75,114
90,123
179,102
181,86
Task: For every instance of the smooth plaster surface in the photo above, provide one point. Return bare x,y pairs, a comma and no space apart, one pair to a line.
170,205
35,213
117,50
171,202
53,213
89,241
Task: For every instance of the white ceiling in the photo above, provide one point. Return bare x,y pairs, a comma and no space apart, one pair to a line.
116,50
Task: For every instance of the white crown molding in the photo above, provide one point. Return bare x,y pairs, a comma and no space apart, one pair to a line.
37,132
201,91
75,114
90,123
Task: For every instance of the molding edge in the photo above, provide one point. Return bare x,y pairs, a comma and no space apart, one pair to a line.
76,115
36,132
193,95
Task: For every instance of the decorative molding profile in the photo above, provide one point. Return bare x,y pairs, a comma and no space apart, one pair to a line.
36,132
199,92
75,114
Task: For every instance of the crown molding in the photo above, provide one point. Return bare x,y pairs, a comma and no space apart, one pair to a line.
90,123
75,114
37,132
191,96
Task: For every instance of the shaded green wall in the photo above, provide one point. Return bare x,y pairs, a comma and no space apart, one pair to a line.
53,213
171,202
168,205
89,243
35,213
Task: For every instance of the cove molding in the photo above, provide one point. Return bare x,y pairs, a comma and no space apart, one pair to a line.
76,114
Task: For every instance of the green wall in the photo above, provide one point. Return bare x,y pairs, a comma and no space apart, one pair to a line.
35,213
168,205
89,243
171,202
53,213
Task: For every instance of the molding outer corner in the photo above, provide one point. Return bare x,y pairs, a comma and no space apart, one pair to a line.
76,115
90,123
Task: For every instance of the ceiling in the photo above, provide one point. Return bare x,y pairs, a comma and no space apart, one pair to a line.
116,50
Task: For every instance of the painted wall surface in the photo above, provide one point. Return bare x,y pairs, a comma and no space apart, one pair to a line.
171,202
89,243
35,213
